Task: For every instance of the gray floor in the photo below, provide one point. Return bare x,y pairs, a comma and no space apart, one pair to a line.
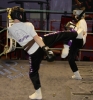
56,81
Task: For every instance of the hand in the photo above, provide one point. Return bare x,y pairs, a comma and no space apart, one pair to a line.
49,54
70,25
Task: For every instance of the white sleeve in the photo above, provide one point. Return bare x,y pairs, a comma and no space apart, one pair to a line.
33,32
83,25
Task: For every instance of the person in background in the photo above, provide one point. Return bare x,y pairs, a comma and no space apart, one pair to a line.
89,4
78,4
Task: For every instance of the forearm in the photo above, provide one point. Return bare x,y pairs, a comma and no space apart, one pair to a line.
49,54
39,41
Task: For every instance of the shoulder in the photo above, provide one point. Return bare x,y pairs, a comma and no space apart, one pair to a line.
29,23
82,21
10,28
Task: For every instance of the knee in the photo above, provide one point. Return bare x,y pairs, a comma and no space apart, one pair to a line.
32,74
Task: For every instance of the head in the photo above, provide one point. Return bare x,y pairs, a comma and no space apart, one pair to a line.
17,13
79,14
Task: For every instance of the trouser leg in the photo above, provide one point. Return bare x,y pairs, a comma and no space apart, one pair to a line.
60,37
63,37
35,60
71,58
76,45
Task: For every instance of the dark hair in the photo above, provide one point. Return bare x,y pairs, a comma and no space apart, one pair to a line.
16,12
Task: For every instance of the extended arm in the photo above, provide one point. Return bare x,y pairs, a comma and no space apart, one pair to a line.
39,41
